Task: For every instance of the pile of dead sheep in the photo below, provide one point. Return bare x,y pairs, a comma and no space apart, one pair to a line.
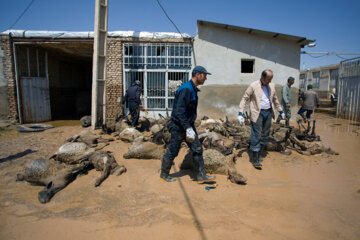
77,156
223,140
152,136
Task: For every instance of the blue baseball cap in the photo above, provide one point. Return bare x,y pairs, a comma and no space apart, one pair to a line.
200,69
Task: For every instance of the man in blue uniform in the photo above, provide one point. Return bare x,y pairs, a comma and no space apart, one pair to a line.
182,127
132,97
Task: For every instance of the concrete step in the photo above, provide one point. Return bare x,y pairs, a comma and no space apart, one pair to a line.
326,103
328,110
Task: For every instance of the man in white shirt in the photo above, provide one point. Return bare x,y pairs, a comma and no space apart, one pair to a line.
261,94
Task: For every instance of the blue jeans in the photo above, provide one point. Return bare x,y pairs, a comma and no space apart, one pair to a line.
177,136
260,130
308,113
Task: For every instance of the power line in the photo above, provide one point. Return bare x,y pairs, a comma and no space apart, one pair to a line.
330,53
342,57
317,56
32,1
169,18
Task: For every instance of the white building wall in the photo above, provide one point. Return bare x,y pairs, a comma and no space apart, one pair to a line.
220,51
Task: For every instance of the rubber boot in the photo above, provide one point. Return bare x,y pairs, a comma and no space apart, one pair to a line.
166,177
287,122
256,163
201,177
165,169
261,153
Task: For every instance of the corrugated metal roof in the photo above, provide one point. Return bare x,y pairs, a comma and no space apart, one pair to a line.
300,40
67,34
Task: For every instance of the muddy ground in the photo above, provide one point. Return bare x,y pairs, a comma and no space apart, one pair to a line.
293,197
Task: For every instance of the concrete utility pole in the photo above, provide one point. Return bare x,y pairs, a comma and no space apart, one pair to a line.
98,98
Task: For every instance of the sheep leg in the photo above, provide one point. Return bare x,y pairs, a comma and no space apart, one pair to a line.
298,150
120,170
101,147
105,174
294,140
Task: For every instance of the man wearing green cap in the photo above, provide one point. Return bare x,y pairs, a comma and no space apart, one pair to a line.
310,100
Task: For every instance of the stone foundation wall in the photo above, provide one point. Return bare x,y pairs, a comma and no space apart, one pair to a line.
114,78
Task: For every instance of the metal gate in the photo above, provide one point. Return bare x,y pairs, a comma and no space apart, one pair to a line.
35,99
348,105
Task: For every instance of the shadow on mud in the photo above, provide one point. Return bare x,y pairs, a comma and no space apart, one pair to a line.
196,220
184,172
18,155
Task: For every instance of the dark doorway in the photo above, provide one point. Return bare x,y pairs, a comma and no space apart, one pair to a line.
70,80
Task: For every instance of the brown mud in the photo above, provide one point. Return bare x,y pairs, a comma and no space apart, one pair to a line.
293,197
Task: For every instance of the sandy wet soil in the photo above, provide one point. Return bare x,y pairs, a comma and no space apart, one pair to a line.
293,197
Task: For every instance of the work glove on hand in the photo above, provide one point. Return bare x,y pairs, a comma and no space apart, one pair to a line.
190,135
282,114
241,118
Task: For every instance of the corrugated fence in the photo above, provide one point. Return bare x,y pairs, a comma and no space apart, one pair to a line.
348,105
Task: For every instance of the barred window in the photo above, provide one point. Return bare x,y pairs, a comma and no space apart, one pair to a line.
316,79
302,80
161,69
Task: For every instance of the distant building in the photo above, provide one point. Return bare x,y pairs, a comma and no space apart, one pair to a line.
324,79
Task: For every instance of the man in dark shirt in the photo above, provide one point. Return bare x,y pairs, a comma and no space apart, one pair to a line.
310,100
132,97
182,127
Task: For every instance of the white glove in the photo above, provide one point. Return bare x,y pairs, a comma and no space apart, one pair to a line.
241,119
282,115
190,135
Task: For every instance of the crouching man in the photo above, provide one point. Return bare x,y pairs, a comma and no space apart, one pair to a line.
182,127
262,98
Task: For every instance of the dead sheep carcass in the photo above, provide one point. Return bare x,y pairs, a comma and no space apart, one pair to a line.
213,126
53,175
85,121
216,163
80,153
305,141
144,150
161,135
216,141
129,134
310,148
73,153
89,138
105,162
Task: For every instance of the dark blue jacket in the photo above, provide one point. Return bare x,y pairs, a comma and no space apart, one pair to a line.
184,110
133,94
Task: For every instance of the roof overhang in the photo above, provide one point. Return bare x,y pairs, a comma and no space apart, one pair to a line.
90,35
303,41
